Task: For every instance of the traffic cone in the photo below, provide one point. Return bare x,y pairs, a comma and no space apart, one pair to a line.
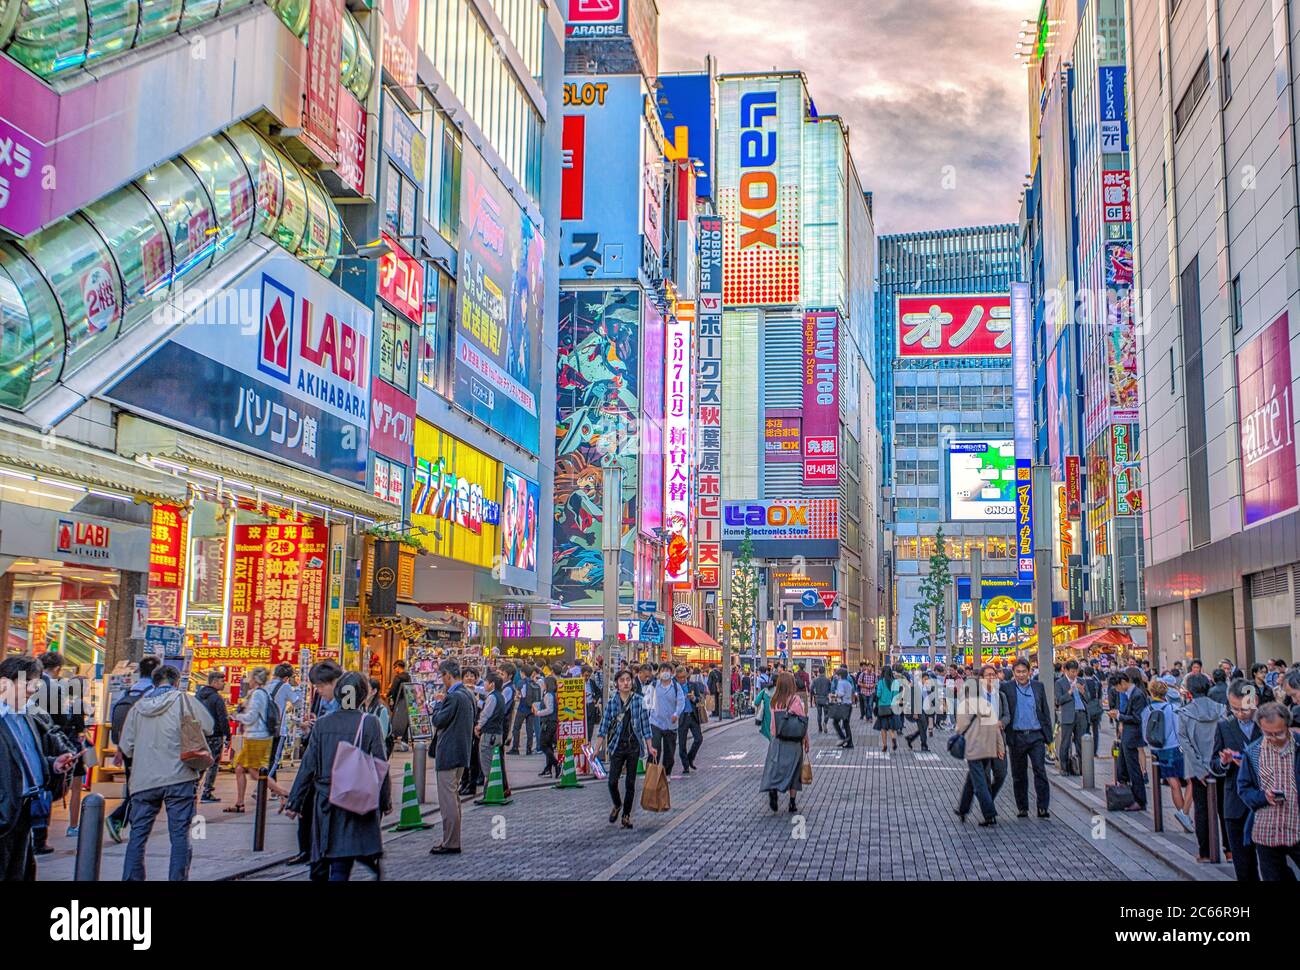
411,817
570,777
494,793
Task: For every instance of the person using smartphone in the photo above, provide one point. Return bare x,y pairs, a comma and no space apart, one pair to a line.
1232,735
1268,780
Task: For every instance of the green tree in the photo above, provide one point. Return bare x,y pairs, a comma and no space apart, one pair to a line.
744,598
934,588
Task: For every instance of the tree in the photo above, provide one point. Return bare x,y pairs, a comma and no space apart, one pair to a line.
934,589
744,597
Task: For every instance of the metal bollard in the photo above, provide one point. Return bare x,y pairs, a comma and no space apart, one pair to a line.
1157,799
259,810
420,768
1086,767
90,839
1212,811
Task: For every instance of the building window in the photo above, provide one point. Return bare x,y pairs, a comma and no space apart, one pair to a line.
438,332
1200,83
1236,304
1198,474
399,205
390,481
395,349
449,189
1225,75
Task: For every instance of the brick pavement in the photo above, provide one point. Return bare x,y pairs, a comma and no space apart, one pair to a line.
867,815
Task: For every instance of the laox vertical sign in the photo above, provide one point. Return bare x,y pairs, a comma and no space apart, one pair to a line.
821,398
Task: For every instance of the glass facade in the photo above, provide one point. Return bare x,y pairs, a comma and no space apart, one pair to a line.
463,51
69,291
52,37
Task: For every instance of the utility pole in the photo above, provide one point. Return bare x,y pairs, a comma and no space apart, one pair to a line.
976,604
1042,482
612,547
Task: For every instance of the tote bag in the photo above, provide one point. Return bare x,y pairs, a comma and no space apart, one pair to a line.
195,753
355,776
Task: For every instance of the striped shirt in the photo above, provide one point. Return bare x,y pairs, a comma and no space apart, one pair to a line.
1277,825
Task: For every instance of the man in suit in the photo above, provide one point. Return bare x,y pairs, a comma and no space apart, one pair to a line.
1071,714
30,764
1030,728
1131,701
454,720
1232,735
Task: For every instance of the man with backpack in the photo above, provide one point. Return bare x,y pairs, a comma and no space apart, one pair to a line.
665,702
211,696
117,819
260,717
282,694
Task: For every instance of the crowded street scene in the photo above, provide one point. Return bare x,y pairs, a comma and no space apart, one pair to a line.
578,440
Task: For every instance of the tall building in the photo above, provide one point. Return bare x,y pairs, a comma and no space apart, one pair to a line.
947,393
1214,146
799,438
303,324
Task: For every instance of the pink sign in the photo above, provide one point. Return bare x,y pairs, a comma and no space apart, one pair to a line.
324,48
392,422
1266,414
821,397
401,40
352,143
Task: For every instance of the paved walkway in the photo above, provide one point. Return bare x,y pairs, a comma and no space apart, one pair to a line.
867,815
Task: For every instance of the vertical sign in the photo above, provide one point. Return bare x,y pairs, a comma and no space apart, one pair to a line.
1022,400
1114,117
324,47
1074,486
401,40
821,398
277,590
1024,519
334,594
166,564
708,418
1266,415
678,447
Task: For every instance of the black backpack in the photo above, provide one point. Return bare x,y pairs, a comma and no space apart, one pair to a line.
272,718
117,717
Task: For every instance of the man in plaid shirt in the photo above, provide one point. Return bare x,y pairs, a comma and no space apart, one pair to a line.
866,690
625,730
1269,782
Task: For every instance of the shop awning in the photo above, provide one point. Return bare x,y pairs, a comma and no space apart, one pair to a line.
685,635
61,457
135,436
1102,638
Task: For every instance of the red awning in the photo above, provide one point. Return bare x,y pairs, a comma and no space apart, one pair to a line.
1102,638
685,635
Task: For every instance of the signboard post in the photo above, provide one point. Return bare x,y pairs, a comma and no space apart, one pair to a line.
976,606
1042,485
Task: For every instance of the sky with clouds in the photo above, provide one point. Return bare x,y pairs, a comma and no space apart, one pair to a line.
922,84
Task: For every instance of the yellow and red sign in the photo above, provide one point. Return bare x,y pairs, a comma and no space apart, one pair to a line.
277,590
166,564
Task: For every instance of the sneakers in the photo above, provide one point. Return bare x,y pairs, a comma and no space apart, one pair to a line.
114,829
1184,820
210,799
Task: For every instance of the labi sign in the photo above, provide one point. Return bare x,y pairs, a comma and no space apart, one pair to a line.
85,540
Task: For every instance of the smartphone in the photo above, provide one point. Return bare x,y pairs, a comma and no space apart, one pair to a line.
1280,796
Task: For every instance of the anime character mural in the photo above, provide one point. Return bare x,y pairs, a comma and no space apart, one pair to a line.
596,414
679,547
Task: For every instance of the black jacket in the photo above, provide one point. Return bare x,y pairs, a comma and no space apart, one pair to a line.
1130,718
1228,735
1010,696
211,699
51,744
454,719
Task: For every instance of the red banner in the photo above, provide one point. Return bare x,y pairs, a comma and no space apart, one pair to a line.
954,326
166,564
277,590
401,280
401,40
352,143
324,48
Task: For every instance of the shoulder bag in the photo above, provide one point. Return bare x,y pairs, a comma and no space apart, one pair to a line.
195,754
957,743
791,727
356,776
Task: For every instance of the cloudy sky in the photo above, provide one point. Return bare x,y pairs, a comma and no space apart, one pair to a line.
923,84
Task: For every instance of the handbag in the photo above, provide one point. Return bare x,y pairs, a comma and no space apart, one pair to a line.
195,753
1119,797
805,773
791,727
356,776
957,743
654,796
839,711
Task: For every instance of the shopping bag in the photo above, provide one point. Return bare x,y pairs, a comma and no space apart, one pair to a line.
805,773
597,766
654,796
195,753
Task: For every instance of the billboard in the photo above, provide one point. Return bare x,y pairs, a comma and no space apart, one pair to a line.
277,589
601,179
651,429
1022,369
521,500
294,385
931,327
1122,357
708,408
686,110
456,498
982,480
401,40
1025,519
760,122
679,445
324,48
597,400
813,638
782,434
595,18
784,527
820,377
499,318
794,584
1006,609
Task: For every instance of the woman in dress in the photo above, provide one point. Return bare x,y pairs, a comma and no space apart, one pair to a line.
888,723
340,837
782,770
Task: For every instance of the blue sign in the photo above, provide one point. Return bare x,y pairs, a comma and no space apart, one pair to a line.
651,631
404,143
646,606
810,599
164,641
1114,116
686,111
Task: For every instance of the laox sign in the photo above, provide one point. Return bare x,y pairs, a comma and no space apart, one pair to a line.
758,193
758,515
